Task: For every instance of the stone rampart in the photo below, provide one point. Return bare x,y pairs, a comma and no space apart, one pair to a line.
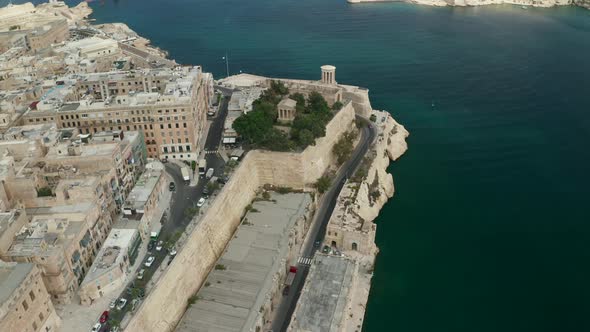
164,306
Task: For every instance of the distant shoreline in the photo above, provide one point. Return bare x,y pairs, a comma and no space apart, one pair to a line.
473,3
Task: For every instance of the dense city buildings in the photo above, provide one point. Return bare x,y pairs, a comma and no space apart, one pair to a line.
169,106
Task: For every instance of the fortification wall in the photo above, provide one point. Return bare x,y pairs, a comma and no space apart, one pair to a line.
164,306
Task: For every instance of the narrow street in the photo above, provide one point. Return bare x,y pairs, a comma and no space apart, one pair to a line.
318,229
177,219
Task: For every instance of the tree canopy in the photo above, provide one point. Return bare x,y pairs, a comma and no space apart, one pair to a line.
257,126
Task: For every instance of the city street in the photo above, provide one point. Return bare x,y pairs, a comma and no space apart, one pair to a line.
317,231
177,219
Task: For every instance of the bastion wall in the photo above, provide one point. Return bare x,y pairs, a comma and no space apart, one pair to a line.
165,305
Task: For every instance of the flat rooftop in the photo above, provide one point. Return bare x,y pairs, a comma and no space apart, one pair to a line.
252,258
323,299
111,254
7,218
11,277
143,189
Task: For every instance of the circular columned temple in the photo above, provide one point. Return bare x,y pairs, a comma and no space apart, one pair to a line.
328,74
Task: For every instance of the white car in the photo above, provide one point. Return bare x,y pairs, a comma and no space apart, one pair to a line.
140,274
121,304
96,327
173,252
113,304
159,246
149,261
201,202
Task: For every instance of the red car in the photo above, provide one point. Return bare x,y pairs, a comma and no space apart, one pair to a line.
104,317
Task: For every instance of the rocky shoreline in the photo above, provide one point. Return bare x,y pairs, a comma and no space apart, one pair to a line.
358,204
464,3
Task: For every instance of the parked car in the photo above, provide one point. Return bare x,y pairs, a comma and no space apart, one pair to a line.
140,274
104,317
149,261
206,191
96,327
159,246
151,245
122,303
172,186
201,202
114,329
173,252
113,304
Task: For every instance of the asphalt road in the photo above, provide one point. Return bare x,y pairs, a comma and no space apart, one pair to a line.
318,231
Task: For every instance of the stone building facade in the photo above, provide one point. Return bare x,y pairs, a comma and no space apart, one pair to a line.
169,106
25,305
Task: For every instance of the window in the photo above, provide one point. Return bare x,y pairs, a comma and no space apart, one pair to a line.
177,125
169,125
25,305
188,148
32,295
161,126
184,125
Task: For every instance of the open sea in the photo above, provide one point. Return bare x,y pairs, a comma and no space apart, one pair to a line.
489,229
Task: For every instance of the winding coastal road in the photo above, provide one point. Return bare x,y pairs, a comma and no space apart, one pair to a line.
317,231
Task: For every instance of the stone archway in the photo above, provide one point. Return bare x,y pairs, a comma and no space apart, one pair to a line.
354,246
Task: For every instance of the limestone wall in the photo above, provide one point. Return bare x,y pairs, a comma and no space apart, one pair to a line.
300,170
360,99
164,306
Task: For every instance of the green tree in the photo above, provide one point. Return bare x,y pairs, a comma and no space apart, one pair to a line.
317,104
323,184
253,126
343,148
212,186
306,138
44,192
337,106
278,88
300,99
193,165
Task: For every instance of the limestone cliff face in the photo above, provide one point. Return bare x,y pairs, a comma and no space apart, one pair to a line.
390,145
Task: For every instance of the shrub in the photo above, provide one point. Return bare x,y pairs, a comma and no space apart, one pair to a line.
323,184
44,192
220,267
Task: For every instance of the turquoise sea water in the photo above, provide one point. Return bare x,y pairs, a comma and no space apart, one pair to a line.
489,228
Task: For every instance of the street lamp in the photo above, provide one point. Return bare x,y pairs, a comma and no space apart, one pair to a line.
226,58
